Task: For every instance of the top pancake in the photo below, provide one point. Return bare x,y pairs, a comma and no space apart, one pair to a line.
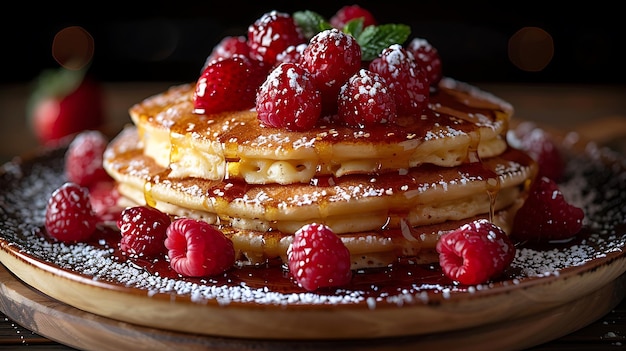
461,124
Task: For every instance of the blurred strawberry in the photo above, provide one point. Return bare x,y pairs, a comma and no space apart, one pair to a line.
64,102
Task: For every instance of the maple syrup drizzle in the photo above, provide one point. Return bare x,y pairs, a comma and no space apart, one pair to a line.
451,112
147,194
491,178
176,147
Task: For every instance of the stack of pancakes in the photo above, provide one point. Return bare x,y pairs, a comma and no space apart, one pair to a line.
388,191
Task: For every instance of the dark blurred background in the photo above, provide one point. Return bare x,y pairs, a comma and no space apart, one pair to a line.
478,41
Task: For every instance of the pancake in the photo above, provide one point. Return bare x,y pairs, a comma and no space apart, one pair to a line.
380,217
461,121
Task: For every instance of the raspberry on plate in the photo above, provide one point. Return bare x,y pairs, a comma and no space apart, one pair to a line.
541,147
331,57
271,34
289,99
228,84
475,253
83,158
365,100
104,198
546,215
318,258
406,79
69,216
197,249
143,230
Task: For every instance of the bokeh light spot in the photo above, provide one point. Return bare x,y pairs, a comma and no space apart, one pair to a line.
531,49
73,47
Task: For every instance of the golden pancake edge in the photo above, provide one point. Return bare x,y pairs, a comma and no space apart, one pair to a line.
461,121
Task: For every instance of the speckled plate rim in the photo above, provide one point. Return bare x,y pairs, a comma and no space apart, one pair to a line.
322,322
501,301
86,331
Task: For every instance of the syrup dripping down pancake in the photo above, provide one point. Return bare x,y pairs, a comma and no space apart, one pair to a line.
461,120
380,217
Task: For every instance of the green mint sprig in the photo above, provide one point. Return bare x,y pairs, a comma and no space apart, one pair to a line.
372,39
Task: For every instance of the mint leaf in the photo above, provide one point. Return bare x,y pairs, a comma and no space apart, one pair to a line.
354,27
310,22
374,39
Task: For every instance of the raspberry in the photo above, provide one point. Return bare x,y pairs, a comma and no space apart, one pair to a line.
197,249
331,57
104,197
228,47
351,12
228,84
69,215
288,98
365,100
318,258
406,80
539,145
427,58
143,231
271,34
83,158
291,54
546,215
475,252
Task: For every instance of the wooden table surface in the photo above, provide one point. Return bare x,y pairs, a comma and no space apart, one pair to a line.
595,112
